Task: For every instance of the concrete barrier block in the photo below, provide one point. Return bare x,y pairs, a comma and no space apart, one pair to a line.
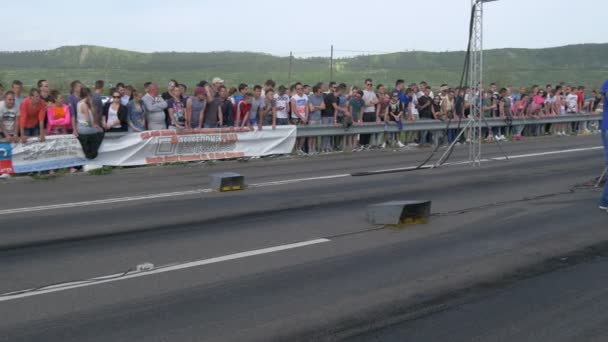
227,181
399,212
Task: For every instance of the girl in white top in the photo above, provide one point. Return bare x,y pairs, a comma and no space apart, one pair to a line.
84,120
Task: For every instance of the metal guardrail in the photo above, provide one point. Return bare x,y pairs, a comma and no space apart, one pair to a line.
420,125
433,125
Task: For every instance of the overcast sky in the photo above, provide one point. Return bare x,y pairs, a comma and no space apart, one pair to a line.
307,28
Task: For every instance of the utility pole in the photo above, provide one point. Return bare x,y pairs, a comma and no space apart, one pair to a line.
331,65
290,67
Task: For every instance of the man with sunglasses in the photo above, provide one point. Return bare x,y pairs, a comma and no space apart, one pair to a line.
369,112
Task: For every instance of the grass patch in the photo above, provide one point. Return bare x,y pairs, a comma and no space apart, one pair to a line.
47,176
106,170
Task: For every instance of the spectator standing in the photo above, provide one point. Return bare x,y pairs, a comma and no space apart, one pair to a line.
438,114
231,94
581,98
342,115
238,96
176,106
560,109
227,107
1,90
425,103
519,111
448,109
17,88
89,134
268,85
306,90
216,83
327,114
571,101
257,103
504,108
242,111
59,119
317,105
597,99
9,117
299,112
114,115
45,92
74,97
356,111
135,113
97,101
32,113
184,90
212,115
369,112
394,115
154,106
126,97
282,106
195,108
487,108
167,95
268,113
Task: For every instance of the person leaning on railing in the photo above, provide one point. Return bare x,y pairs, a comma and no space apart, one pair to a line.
88,132
32,113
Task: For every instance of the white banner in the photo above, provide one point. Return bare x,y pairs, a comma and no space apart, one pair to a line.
151,147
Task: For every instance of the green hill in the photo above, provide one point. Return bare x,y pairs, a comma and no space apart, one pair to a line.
579,64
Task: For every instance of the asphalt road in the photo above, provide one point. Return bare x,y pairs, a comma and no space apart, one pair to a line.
566,305
488,223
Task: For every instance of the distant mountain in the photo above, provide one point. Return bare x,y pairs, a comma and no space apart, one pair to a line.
585,64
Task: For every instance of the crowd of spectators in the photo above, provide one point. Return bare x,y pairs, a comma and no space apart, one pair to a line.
89,113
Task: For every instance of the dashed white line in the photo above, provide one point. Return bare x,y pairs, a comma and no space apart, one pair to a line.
135,274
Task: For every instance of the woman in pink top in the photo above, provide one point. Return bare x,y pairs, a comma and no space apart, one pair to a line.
519,111
58,115
536,106
560,109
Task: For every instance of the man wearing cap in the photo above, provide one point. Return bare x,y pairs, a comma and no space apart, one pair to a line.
217,83
604,200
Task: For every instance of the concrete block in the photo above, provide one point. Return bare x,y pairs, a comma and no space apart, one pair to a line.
399,212
227,181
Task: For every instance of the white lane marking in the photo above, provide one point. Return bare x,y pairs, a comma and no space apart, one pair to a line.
163,269
260,185
529,155
103,201
517,156
289,181
153,196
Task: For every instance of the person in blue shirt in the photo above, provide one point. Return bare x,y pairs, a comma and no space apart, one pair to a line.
604,200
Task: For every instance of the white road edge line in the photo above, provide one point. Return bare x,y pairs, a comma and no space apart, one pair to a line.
260,185
517,156
135,274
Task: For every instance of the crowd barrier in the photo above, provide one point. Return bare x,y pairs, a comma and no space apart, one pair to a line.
169,146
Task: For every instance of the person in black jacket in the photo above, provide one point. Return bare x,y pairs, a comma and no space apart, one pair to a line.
114,115
227,107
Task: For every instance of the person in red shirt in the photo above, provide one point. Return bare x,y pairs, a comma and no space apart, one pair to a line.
31,119
581,98
242,111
